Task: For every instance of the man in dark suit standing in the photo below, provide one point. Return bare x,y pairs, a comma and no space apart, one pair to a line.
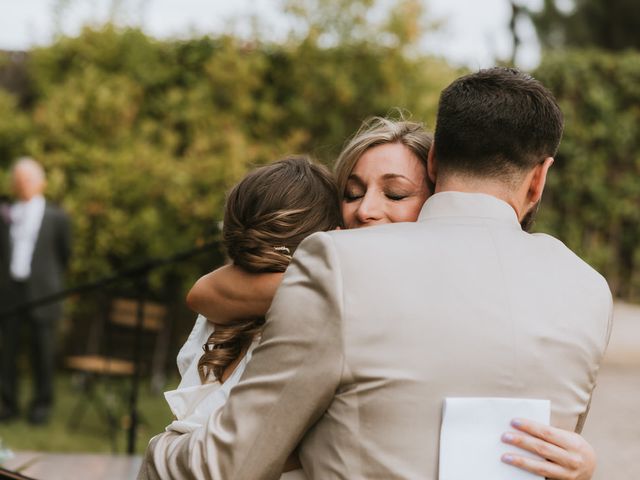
35,244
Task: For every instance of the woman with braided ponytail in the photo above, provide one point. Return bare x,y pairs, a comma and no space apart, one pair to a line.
267,215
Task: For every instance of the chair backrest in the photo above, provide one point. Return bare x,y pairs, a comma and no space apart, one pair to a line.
112,340
124,312
155,330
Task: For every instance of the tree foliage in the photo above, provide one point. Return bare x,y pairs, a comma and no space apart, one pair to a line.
607,24
343,22
593,190
141,138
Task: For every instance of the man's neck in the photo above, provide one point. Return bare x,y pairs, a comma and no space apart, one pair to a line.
470,184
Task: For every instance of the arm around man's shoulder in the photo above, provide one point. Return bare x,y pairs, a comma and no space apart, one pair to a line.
289,383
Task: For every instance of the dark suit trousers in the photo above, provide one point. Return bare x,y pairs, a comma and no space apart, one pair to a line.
41,354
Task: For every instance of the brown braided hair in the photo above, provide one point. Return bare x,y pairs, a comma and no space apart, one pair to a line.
267,215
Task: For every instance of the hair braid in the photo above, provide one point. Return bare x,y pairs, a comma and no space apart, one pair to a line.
266,216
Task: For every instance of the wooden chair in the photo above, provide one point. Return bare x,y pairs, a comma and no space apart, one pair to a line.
110,356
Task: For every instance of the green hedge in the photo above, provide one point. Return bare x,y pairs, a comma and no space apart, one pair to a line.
141,138
592,200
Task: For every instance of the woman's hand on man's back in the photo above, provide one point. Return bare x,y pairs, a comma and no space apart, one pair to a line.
566,455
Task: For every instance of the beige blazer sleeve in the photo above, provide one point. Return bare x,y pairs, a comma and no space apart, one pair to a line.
582,418
288,385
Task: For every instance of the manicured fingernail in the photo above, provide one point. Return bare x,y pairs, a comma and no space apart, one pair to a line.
507,458
507,437
516,422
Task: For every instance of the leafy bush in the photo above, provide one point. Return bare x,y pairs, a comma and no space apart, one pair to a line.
592,201
141,138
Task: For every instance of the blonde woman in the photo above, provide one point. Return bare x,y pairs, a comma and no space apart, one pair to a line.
382,178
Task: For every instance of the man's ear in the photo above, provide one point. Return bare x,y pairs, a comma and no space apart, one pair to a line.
432,166
538,180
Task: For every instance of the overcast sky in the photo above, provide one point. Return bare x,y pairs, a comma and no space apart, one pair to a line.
475,32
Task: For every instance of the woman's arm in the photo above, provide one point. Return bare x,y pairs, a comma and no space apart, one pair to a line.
229,293
567,456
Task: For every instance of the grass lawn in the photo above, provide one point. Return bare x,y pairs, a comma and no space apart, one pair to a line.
91,433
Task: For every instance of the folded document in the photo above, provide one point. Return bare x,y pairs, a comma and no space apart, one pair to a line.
470,445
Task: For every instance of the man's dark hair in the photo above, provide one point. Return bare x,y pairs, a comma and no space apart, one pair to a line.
498,123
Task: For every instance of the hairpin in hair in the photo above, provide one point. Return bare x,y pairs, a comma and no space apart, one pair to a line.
282,249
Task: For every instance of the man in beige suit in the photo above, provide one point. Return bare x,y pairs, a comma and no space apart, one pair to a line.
371,329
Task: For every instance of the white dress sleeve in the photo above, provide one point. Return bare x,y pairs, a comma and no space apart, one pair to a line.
191,351
184,400
192,402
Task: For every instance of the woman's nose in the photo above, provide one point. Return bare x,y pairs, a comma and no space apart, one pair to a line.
369,209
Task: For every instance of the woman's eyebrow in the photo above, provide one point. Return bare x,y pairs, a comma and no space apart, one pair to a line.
392,176
387,176
355,178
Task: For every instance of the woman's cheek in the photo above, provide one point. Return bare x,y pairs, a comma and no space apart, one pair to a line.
411,211
348,213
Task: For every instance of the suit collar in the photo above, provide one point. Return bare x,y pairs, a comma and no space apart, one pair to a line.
469,205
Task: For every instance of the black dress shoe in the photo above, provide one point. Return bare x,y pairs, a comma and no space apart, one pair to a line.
39,415
8,415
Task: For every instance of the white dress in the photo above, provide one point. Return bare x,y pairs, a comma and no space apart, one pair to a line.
192,402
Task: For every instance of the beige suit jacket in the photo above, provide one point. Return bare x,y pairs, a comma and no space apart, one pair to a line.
373,328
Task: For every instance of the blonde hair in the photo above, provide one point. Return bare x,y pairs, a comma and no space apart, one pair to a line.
379,131
267,215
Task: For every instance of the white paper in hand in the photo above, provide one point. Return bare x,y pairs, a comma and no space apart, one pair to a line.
470,445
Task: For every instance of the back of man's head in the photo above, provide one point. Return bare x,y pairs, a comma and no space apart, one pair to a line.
497,124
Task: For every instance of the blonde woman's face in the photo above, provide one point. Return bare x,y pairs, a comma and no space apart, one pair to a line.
387,185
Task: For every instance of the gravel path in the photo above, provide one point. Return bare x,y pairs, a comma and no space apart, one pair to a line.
613,425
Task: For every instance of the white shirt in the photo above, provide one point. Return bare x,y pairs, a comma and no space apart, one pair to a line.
193,402
26,219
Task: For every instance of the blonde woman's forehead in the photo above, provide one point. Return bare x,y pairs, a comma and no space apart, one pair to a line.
391,159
